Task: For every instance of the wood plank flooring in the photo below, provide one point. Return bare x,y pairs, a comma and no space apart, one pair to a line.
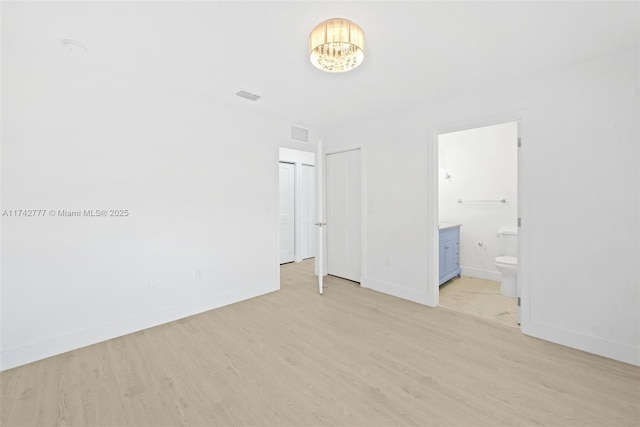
351,357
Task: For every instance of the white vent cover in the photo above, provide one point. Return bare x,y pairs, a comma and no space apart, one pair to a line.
299,134
247,95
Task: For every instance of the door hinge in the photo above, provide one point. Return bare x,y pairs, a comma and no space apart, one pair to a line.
519,142
519,302
519,222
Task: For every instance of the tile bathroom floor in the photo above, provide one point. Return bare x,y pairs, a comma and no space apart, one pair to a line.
479,297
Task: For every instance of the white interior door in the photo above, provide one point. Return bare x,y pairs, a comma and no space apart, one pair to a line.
320,258
307,212
343,214
287,212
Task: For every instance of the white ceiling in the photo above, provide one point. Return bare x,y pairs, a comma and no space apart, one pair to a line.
415,51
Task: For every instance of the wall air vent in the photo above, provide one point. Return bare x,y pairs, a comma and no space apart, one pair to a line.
299,134
247,95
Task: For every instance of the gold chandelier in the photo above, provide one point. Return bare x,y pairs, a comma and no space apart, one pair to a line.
336,45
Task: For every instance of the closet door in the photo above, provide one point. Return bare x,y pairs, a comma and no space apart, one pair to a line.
287,212
307,212
343,214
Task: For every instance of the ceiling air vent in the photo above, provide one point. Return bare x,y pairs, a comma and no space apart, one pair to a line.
247,95
299,134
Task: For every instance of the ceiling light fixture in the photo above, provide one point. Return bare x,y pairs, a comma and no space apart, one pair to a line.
336,45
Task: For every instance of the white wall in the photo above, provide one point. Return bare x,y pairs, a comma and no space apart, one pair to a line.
75,136
482,164
580,130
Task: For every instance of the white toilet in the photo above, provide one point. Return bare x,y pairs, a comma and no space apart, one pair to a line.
507,262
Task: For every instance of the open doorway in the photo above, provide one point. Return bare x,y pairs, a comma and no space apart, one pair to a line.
478,222
336,196
296,222
297,239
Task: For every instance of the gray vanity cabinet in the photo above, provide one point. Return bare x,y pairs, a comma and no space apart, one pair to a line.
449,253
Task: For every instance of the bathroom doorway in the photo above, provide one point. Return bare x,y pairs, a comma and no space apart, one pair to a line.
478,221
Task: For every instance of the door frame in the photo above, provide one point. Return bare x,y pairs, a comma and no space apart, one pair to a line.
524,212
276,217
298,161
363,211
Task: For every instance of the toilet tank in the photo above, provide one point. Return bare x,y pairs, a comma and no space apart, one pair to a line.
508,242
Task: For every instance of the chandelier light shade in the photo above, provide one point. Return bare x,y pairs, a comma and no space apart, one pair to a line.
336,45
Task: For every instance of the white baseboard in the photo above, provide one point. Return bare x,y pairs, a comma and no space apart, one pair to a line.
612,350
481,274
14,357
396,290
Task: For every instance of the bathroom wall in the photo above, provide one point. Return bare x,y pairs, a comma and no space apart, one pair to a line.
481,164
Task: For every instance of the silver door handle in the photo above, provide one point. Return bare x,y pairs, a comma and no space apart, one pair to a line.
320,224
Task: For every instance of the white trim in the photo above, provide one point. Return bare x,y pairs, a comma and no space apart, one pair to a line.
524,231
394,289
481,274
611,349
363,214
433,275
433,297
276,217
51,347
345,149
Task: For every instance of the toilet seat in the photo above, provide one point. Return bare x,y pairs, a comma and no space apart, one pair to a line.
508,260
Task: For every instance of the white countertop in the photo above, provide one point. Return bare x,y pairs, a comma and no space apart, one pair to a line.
445,225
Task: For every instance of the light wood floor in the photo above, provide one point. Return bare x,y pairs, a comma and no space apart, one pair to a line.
350,357
481,298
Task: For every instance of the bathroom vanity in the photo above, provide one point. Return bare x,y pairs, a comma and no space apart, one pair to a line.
449,251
